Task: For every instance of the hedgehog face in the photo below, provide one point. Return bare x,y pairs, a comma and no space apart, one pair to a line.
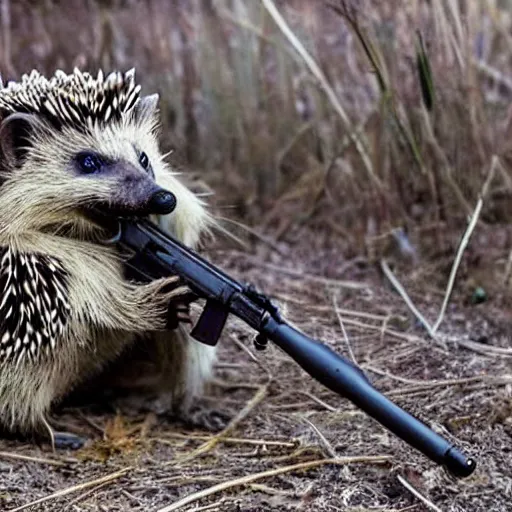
134,191
80,147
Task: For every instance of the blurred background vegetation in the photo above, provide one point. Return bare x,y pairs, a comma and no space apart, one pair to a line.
354,117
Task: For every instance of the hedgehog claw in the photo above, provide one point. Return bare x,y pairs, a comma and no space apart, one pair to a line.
68,441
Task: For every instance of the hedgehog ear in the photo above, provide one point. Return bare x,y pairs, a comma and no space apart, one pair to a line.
146,107
15,133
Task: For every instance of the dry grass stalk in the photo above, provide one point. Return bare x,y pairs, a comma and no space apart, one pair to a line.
86,494
215,440
319,75
5,18
418,495
464,242
345,336
485,349
487,381
319,401
230,440
39,460
70,490
249,479
326,309
410,304
432,329
325,443
213,506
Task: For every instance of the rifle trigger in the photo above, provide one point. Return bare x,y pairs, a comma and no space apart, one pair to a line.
211,323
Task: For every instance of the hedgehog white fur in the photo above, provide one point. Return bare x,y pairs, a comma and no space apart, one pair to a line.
68,144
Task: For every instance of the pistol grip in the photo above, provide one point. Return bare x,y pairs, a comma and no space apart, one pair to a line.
211,323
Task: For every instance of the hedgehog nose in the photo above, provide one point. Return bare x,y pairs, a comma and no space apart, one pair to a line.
162,202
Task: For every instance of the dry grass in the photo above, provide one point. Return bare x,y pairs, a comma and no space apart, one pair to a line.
368,115
292,444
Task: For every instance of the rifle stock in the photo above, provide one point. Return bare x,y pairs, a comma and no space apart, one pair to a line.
156,255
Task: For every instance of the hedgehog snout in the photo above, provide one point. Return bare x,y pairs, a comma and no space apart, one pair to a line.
162,202
134,192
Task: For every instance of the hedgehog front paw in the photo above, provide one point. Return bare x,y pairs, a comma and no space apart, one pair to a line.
162,304
176,297
168,288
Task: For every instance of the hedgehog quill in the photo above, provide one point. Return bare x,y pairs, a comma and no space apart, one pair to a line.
75,148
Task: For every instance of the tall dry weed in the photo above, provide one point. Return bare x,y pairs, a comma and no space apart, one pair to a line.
424,88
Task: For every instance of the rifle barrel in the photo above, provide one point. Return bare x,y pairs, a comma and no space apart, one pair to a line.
341,376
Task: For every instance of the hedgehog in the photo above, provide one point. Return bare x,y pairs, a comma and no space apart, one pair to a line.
74,149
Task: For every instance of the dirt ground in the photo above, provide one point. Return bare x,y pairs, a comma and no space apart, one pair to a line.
320,452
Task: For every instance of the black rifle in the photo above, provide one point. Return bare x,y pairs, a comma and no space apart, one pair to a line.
157,255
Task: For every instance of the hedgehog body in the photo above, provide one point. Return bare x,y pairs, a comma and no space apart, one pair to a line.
73,146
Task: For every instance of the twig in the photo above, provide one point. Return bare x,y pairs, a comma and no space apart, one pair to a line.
384,326
340,320
484,349
270,490
416,493
384,373
91,422
270,473
86,494
74,488
180,480
465,241
131,497
400,289
319,75
319,401
211,443
328,446
249,352
18,456
229,440
501,380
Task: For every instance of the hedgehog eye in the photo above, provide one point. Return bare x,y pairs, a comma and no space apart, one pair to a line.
144,160
89,163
